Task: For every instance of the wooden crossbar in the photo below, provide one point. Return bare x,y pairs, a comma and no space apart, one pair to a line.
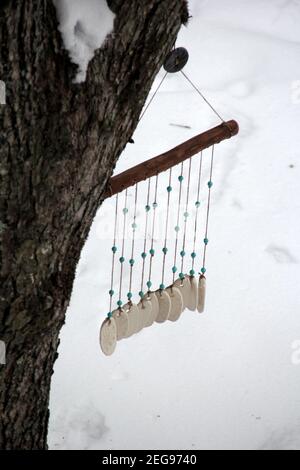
173,157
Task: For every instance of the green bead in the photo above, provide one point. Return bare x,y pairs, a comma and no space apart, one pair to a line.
109,315
210,184
141,294
129,295
148,208
149,284
193,255
169,189
198,204
192,273
181,276
180,178
165,250
155,205
162,287
111,292
119,303
186,215
122,259
174,269
134,226
177,228
152,252
206,241
114,249
182,253
203,270
125,211
144,255
131,262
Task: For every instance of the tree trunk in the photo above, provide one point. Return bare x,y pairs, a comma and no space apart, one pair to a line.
59,143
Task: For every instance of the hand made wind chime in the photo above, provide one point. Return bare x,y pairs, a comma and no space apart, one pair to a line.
147,305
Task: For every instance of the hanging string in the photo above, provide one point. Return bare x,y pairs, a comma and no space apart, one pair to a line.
165,249
197,204
114,251
186,216
195,88
177,228
122,259
210,185
154,95
132,260
152,251
202,96
144,254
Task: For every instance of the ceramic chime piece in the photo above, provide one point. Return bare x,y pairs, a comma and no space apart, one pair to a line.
164,302
133,319
121,318
145,311
192,300
201,294
151,297
108,336
184,286
176,303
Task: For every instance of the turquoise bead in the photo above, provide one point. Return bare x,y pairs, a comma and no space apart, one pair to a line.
149,284
203,270
119,303
180,178
148,208
152,252
174,269
165,250
182,253
192,272
155,205
125,211
206,241
193,255
141,294
198,204
114,249
186,215
210,184
177,228
109,315
144,255
134,226
129,295
162,287
111,292
131,262
122,259
169,189
181,276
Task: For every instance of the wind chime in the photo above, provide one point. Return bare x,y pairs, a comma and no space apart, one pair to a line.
188,287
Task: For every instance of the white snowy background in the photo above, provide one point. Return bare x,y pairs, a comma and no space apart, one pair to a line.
229,379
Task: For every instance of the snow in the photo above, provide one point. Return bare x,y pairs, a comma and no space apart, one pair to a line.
229,379
84,27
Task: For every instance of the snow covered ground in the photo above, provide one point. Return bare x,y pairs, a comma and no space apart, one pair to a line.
229,379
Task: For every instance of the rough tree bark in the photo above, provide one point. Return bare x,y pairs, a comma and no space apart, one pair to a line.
59,143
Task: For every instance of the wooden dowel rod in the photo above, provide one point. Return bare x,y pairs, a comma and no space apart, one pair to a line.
171,158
